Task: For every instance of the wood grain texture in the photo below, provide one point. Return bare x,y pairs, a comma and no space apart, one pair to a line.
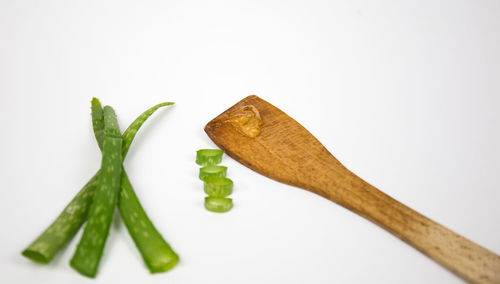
285,151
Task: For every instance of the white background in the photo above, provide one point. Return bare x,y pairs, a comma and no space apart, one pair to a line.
405,93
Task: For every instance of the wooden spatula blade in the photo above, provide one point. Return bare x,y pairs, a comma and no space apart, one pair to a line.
278,150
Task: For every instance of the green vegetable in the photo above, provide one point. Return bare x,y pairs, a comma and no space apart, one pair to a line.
217,186
98,121
43,248
130,132
218,171
65,226
218,204
90,248
156,252
208,157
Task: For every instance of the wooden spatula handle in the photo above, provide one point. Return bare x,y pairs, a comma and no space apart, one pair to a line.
465,258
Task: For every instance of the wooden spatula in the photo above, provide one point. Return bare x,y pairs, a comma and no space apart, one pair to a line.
268,141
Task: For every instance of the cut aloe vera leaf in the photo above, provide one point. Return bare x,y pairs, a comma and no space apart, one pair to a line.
64,227
156,252
89,251
208,157
218,186
218,204
212,171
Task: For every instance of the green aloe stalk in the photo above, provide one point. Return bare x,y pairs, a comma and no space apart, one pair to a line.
91,246
156,252
43,248
98,123
64,227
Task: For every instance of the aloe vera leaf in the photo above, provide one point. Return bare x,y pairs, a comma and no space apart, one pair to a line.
91,246
98,121
156,252
43,248
64,227
130,132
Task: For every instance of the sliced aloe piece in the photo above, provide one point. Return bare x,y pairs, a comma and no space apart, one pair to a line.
218,186
218,204
212,171
208,157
